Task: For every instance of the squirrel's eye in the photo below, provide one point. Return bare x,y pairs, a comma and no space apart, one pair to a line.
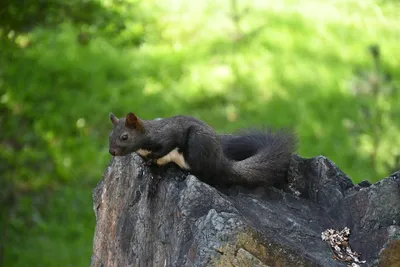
124,137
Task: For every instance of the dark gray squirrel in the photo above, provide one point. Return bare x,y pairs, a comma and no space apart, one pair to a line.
251,157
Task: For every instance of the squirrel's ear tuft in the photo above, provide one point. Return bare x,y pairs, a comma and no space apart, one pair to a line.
133,122
113,119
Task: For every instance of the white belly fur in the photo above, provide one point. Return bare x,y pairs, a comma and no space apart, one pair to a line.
172,156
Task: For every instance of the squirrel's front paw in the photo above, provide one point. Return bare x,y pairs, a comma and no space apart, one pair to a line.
149,162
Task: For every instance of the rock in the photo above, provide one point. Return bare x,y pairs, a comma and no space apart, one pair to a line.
149,216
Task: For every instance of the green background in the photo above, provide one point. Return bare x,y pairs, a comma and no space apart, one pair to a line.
327,69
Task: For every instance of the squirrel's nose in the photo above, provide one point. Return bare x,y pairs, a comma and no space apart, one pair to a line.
112,152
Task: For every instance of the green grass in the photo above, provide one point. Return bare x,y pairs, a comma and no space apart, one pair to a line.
59,236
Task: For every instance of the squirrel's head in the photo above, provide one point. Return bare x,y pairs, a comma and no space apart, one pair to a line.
126,136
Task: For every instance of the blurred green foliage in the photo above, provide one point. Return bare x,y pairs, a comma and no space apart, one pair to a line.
64,65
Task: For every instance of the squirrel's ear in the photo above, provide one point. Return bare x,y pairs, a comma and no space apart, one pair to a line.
132,121
113,119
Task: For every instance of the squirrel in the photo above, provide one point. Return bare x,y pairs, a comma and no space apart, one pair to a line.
252,157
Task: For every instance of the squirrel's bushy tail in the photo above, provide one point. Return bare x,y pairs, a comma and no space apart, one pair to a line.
259,156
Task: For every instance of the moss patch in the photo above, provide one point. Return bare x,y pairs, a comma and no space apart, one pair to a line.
251,250
390,257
